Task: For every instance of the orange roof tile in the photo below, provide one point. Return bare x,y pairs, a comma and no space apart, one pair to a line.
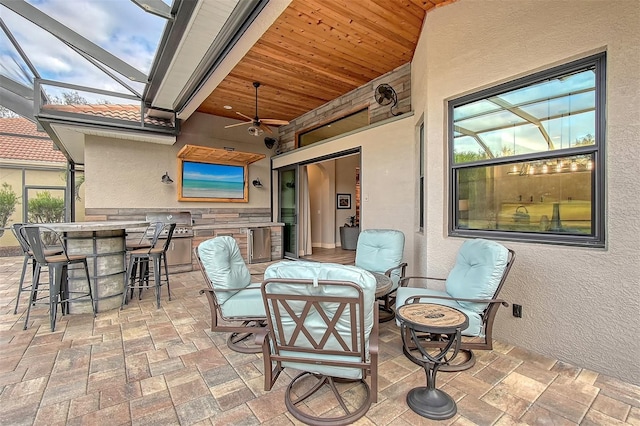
20,140
115,111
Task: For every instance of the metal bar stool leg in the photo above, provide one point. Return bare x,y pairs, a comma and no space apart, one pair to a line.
166,273
144,277
127,281
25,262
34,287
156,277
93,302
55,280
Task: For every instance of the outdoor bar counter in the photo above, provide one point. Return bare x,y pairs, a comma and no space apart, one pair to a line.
104,245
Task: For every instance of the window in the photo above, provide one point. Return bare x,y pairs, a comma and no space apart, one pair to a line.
527,158
340,126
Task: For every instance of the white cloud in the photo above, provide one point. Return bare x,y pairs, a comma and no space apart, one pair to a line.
118,26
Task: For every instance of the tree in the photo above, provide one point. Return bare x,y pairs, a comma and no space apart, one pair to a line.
588,139
45,208
7,113
74,98
8,201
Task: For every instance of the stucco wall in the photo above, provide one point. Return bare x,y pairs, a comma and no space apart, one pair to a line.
387,176
126,174
578,304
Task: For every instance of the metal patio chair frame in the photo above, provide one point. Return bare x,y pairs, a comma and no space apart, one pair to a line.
239,333
466,356
279,347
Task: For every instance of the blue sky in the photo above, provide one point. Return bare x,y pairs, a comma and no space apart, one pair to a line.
118,26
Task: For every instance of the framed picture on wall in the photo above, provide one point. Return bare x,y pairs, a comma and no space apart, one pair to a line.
344,201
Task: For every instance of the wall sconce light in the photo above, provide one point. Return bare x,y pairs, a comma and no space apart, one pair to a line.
166,179
256,182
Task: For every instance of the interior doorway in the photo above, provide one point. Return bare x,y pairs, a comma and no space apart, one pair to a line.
326,197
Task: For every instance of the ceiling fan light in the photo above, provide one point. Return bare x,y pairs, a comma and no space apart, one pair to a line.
255,131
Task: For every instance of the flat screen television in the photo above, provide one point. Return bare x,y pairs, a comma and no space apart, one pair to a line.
212,182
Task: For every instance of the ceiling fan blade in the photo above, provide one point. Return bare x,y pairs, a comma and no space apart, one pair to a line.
264,127
238,124
274,122
245,116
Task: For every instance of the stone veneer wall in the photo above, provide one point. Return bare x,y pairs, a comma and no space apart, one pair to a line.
208,223
363,96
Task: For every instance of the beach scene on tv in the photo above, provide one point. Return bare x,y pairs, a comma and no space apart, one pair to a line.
203,180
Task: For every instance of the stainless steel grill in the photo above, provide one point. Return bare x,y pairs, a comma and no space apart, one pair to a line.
181,219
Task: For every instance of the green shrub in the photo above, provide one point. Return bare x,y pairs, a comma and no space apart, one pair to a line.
8,202
45,208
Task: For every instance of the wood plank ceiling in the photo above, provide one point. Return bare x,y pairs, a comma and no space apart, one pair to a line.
318,50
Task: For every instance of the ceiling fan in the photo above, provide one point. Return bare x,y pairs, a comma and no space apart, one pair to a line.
258,125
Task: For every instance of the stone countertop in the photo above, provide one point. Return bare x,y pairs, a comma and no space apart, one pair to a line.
108,225
238,225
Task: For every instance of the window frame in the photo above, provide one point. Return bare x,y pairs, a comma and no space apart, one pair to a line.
344,115
421,174
598,218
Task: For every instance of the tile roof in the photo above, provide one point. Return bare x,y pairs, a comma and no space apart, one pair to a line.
114,111
20,140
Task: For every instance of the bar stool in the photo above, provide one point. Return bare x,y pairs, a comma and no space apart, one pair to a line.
157,255
148,240
58,265
28,257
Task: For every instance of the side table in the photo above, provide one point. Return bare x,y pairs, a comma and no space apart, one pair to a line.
437,320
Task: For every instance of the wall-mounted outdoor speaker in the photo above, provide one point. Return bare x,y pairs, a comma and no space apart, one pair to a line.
269,142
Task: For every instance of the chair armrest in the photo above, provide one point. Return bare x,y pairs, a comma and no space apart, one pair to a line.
261,336
415,299
405,281
234,290
403,265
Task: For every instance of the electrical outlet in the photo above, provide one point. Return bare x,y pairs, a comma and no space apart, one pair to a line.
517,311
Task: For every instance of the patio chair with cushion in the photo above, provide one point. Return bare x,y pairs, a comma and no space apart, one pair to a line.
230,293
381,251
472,286
322,321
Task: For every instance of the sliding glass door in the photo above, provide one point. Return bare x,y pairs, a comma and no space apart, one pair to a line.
288,214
